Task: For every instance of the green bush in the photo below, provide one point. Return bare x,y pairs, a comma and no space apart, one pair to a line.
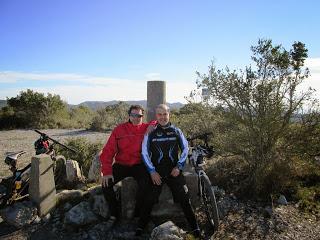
31,109
259,104
309,199
85,152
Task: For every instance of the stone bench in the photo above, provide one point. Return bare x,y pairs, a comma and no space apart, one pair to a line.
165,207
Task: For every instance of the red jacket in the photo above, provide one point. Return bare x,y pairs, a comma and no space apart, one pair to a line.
124,145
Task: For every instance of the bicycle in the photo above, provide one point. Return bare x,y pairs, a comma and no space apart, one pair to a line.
206,192
15,187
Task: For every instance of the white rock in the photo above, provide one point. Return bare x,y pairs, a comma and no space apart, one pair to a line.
167,231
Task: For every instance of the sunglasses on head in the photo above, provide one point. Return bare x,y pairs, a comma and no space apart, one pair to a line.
135,115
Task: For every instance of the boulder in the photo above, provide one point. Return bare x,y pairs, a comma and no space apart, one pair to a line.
73,171
100,206
20,214
70,195
80,215
167,231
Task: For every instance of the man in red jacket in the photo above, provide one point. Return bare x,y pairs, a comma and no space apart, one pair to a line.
121,158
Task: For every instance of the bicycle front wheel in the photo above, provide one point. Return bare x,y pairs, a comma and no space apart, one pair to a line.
209,201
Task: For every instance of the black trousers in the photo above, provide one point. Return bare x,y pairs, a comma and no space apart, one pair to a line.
139,173
180,194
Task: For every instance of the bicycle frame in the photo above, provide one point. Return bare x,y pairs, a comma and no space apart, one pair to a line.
207,198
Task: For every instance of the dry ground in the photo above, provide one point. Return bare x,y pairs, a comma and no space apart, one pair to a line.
17,140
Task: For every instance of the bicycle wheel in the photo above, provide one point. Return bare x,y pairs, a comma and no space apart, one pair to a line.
209,201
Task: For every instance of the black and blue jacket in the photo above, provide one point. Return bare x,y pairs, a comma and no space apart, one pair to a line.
161,148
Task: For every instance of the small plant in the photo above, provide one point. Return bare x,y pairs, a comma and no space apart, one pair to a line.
309,199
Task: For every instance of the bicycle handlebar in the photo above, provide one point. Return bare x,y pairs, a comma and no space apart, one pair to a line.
55,141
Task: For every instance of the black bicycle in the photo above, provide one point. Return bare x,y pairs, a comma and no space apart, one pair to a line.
16,187
197,156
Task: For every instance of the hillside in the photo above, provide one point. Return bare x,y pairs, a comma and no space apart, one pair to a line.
101,104
94,105
3,103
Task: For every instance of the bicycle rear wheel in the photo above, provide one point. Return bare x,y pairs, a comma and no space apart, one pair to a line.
209,202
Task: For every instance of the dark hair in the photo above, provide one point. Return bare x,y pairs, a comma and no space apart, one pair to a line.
136,107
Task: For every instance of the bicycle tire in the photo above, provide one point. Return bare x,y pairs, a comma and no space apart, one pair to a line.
209,202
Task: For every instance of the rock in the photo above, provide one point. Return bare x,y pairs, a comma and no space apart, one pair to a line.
95,190
70,195
99,231
73,171
282,200
167,231
94,174
165,206
100,206
267,211
37,220
67,207
80,215
46,218
20,214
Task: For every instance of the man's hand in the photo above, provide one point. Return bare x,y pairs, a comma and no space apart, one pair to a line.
150,128
175,172
106,179
156,178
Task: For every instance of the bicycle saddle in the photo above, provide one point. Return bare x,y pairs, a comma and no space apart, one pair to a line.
14,155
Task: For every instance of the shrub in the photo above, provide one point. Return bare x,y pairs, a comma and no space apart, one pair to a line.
259,104
85,152
309,199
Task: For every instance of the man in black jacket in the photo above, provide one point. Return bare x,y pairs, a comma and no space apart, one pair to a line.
160,154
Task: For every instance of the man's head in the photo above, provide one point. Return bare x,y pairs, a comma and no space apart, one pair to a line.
135,114
162,114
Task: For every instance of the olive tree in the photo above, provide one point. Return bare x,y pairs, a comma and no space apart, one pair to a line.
260,102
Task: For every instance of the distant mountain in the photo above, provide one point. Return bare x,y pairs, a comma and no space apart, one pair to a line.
3,103
100,104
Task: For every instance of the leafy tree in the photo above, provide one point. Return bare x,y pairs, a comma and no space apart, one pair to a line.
81,116
33,109
108,118
259,103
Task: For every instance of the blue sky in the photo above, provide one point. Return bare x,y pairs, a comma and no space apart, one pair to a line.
108,50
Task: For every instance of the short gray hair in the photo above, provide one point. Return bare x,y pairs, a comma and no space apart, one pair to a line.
163,106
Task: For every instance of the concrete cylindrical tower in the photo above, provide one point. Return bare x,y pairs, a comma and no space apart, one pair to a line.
156,94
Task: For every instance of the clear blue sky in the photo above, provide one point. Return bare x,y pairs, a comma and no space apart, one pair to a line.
105,50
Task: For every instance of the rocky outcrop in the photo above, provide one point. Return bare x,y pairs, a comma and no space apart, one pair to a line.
20,214
80,215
